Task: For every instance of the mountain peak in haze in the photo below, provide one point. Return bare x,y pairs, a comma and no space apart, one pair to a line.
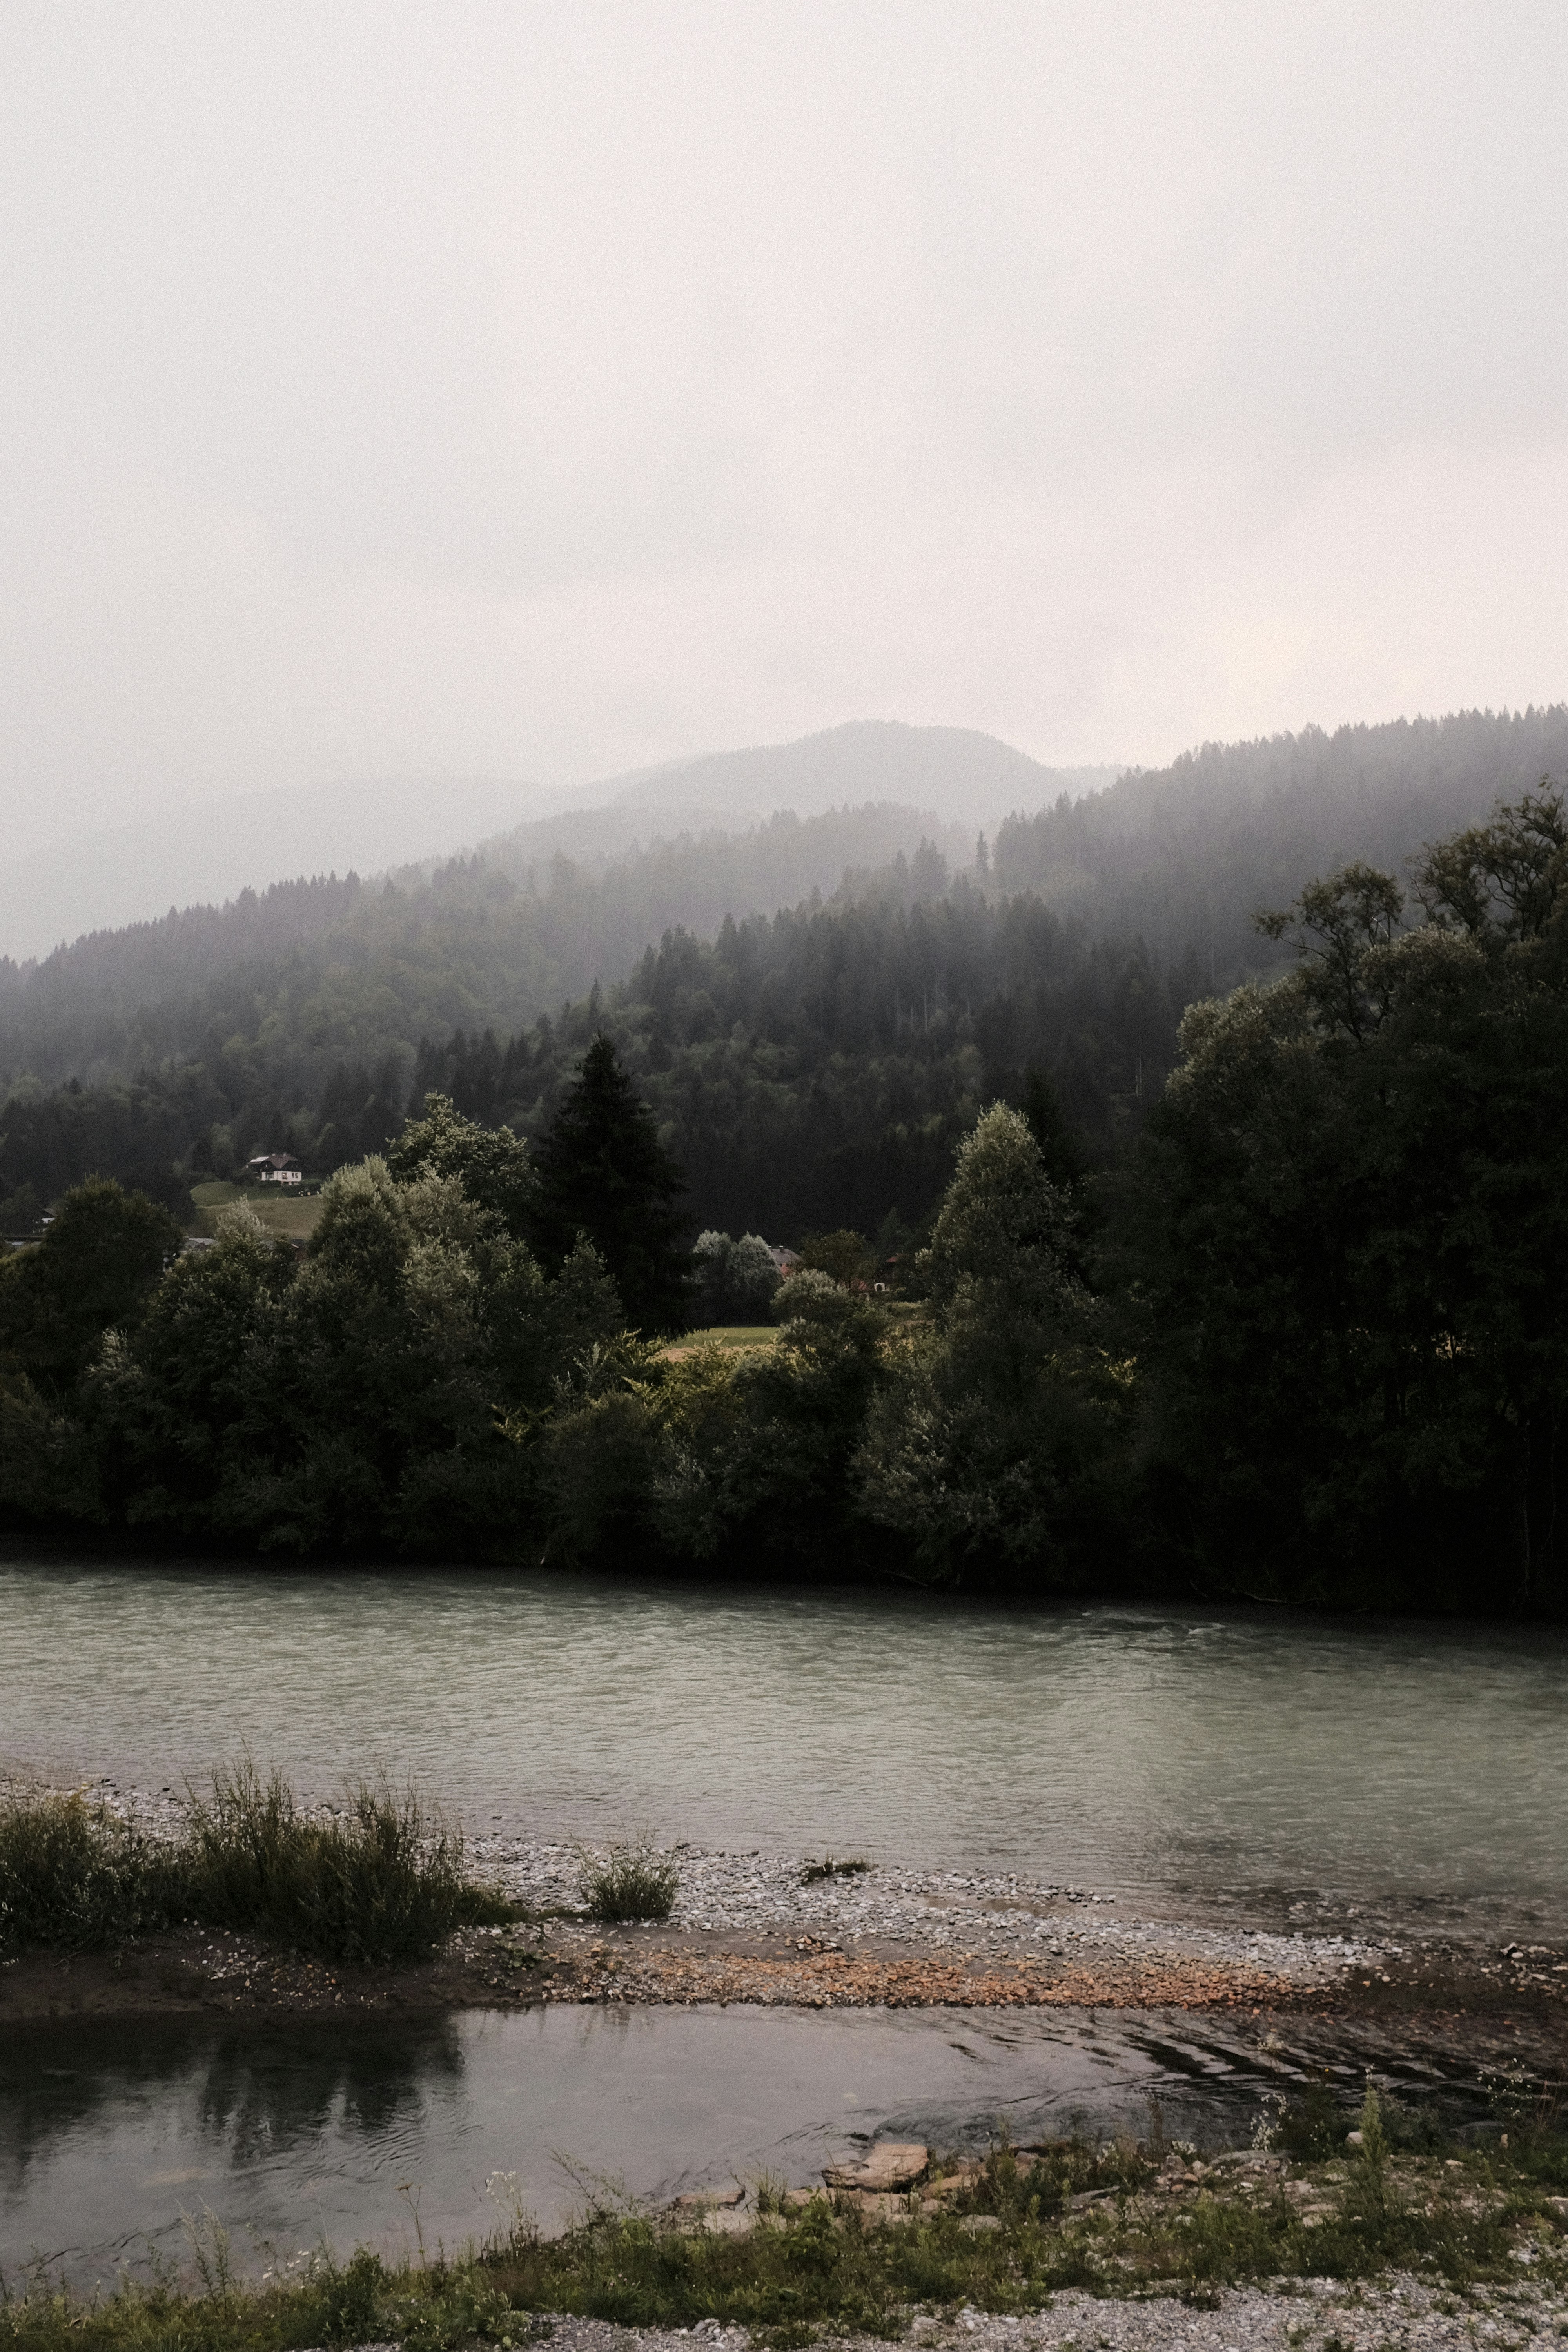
958,772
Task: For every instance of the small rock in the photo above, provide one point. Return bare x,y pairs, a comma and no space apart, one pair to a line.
878,2204
979,2221
951,2184
891,2164
728,2222
709,2198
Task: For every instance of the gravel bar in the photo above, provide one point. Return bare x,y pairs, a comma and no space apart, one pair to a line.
1005,1916
1295,2315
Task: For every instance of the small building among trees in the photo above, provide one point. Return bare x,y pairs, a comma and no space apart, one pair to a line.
274,1168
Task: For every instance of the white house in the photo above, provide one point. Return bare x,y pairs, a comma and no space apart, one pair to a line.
274,1168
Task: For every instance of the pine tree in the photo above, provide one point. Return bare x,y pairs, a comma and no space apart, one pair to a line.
604,1172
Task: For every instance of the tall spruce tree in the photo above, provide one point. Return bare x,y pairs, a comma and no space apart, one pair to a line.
604,1172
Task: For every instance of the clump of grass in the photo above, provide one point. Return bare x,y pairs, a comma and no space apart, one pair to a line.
830,1868
631,1880
74,1875
382,1881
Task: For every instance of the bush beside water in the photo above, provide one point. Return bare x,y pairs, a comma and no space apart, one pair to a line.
72,1874
382,1880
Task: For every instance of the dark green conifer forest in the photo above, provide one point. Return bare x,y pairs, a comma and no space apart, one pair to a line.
1123,1282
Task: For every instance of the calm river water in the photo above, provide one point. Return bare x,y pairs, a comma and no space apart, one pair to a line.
114,2139
1126,1749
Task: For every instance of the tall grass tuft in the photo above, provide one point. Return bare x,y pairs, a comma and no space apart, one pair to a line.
382,1881
629,1881
73,1874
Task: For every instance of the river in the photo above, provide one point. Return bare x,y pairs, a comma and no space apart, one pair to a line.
1133,1748
1169,1756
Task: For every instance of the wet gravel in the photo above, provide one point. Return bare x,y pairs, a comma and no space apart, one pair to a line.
967,1915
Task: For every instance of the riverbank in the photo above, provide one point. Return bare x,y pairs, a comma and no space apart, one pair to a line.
1124,2246
756,1930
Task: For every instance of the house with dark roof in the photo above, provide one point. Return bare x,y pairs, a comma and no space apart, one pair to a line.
274,1168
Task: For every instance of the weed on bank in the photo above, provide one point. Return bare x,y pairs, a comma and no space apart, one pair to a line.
379,1880
1156,2224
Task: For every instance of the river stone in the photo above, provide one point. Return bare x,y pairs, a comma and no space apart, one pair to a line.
878,2204
710,2198
891,2164
729,2222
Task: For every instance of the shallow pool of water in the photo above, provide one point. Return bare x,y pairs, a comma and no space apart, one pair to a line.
1123,1748
115,2138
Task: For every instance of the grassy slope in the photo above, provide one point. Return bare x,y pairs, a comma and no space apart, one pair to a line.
281,1212
727,1334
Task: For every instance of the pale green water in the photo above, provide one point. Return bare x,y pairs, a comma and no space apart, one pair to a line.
1125,1747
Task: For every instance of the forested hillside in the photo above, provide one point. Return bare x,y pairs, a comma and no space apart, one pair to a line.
1182,856
292,981
1303,1341
815,1066
819,1069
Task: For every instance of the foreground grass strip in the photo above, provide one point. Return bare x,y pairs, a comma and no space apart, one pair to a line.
380,1881
1154,2222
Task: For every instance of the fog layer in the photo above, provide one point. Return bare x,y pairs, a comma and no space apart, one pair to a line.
520,391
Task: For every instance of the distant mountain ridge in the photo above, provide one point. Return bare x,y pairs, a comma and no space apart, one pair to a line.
962,774
1182,858
207,854
864,968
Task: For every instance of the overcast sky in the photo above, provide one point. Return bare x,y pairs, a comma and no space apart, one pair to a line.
537,390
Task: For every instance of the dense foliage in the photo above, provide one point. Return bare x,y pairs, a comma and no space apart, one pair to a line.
808,1069
1302,1341
1352,1208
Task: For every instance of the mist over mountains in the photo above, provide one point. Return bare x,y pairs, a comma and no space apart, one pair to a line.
967,777
207,853
1184,857
816,1004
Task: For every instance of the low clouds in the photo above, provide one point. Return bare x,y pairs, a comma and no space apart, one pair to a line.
538,392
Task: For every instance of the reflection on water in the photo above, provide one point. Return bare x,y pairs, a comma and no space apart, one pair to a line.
1129,1746
246,2096
332,2129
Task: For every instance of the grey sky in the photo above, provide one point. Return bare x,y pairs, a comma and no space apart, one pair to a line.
535,390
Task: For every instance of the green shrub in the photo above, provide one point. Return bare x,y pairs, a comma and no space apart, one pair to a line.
73,1873
378,1881
1313,2125
629,1881
351,2298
